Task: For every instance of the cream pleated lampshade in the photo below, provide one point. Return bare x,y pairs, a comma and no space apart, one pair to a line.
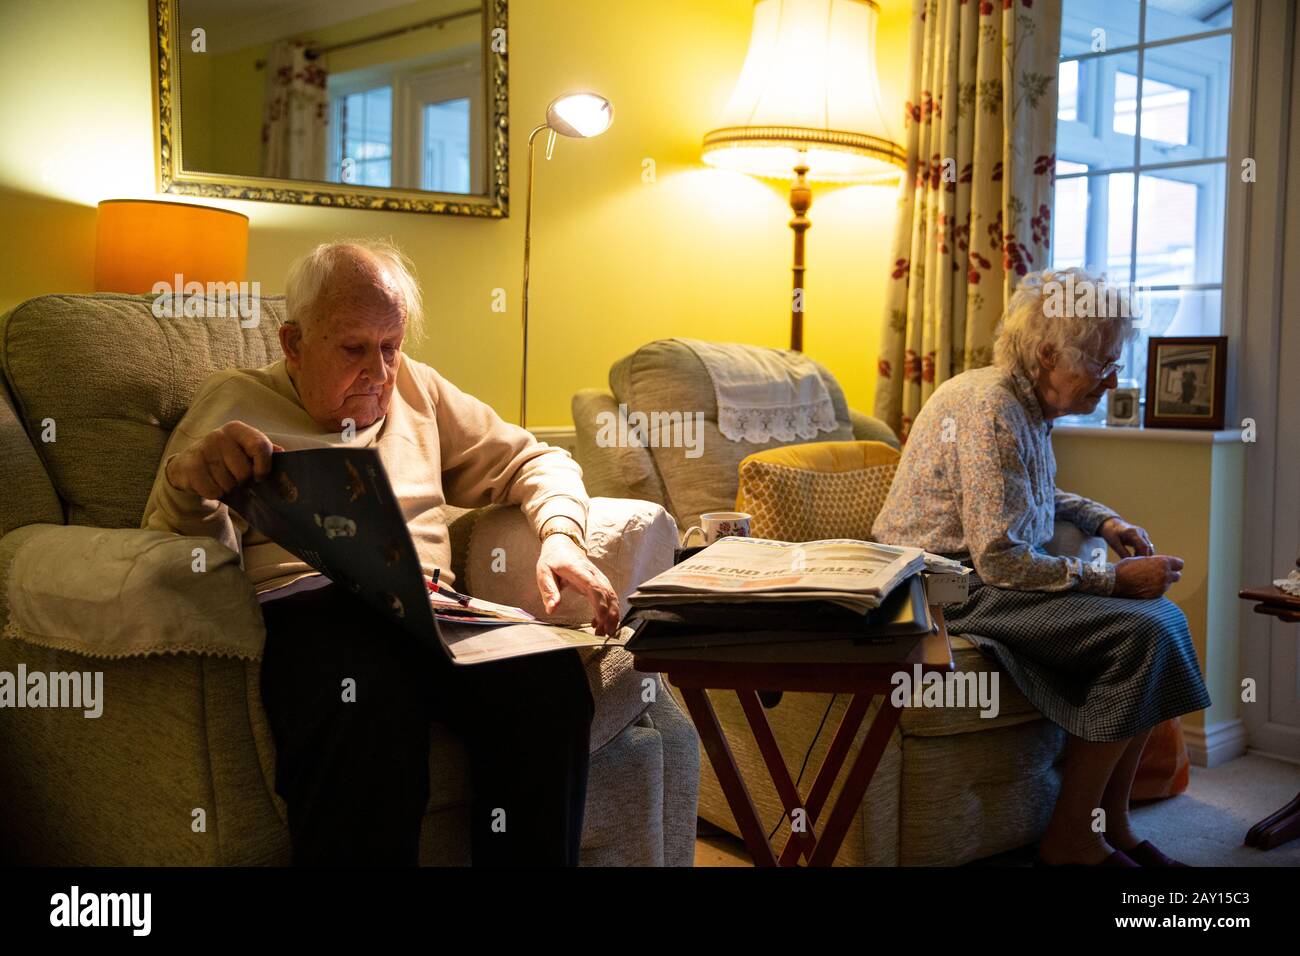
808,92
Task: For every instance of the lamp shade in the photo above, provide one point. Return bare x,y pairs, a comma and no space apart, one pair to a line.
139,242
581,115
808,93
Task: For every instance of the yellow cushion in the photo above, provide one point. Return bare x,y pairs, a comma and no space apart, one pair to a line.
807,492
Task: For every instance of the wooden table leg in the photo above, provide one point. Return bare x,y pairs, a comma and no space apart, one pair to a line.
1276,828
855,788
724,765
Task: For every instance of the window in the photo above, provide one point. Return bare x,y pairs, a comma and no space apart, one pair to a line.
421,127
1141,172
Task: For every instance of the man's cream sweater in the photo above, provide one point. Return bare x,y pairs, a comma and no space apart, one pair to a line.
439,446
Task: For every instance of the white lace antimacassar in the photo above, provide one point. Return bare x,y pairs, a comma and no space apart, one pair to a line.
1290,584
785,423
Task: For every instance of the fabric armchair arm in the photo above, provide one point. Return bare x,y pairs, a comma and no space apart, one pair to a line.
866,428
629,540
127,592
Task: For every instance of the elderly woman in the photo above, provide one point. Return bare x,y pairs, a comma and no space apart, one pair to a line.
1095,646
355,772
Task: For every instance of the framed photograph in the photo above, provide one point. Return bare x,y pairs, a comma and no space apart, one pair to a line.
1185,382
1124,407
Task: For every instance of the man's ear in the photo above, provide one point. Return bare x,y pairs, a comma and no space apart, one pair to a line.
291,342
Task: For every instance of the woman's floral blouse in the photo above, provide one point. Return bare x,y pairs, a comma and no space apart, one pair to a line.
978,479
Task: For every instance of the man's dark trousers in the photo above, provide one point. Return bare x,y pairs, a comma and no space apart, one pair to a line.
355,774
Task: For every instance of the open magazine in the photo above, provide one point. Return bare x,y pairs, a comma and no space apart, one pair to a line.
857,575
335,509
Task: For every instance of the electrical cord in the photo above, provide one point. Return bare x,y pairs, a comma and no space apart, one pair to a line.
806,757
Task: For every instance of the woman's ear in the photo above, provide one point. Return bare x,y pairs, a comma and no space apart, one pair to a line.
1047,355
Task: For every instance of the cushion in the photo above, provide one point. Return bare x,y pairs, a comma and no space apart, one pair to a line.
115,380
817,490
666,377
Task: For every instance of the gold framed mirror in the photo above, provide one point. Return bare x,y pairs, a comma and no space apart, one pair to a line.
403,108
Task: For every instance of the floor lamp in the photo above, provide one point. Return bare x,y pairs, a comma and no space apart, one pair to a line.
581,116
807,107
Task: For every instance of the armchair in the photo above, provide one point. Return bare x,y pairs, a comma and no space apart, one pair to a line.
91,386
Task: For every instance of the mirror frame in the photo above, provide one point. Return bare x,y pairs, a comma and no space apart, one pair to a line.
172,177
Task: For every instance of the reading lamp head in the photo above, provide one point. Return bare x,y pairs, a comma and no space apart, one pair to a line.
580,115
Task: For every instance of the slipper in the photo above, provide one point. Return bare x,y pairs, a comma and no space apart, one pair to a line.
1146,854
1118,858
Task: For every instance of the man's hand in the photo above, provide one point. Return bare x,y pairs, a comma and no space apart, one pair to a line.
1124,537
1146,577
562,564
222,461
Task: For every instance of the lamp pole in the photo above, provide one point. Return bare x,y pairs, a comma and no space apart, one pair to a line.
800,202
528,248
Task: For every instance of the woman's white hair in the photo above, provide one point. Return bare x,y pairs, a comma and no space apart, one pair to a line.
1074,311
309,278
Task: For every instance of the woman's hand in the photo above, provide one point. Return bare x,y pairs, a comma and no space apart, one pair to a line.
1146,577
563,563
1124,537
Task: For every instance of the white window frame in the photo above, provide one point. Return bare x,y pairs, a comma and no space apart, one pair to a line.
1091,140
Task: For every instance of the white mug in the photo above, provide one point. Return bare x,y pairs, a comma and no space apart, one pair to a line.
719,524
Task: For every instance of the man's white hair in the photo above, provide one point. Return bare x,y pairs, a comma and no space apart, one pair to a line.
1072,310
309,281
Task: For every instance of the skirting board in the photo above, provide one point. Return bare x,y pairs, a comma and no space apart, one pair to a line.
1217,743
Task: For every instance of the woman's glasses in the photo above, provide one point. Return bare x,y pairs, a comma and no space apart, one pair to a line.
1102,372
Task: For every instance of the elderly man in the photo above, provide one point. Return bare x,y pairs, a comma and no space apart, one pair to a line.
1095,646
355,772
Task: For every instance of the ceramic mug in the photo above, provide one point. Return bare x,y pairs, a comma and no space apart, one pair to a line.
719,524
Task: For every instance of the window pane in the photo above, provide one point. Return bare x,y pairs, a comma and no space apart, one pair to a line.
1166,109
1092,26
1114,254
445,150
366,137
1070,220
1179,18
1185,100
1067,82
1175,241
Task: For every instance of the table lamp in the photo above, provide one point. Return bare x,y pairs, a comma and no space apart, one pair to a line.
139,242
579,115
807,106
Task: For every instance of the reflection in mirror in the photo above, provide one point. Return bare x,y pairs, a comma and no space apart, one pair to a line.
402,97
393,97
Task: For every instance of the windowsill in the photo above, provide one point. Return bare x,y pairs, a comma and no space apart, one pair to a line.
1140,433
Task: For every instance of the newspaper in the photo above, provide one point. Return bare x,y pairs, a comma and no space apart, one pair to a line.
334,508
854,574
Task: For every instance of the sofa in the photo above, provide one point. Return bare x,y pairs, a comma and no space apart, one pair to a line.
178,768
951,787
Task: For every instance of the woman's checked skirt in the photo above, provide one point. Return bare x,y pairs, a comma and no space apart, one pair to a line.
1104,668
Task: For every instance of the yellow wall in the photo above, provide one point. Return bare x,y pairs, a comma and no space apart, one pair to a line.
617,261
1189,498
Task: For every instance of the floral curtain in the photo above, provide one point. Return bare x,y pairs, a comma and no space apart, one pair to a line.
976,204
295,121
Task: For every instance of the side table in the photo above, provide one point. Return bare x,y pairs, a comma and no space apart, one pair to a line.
1284,825
842,666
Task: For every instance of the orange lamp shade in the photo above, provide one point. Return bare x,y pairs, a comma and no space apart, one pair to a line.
139,242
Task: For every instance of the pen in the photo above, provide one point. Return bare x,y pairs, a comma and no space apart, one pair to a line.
444,589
